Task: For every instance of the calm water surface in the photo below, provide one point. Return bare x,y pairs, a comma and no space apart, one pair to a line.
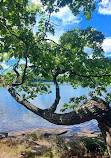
14,117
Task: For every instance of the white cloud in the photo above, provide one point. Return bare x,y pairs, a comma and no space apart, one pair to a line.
90,56
88,50
3,64
65,21
29,64
5,55
107,44
13,58
36,2
66,16
62,21
54,38
22,62
105,7
57,35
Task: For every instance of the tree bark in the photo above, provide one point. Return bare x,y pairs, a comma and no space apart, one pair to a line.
105,127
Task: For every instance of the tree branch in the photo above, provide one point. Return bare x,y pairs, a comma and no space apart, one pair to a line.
47,25
6,27
24,72
95,108
88,76
57,99
17,73
3,80
22,101
45,39
6,69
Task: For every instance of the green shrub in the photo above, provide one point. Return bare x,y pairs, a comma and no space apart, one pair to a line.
94,145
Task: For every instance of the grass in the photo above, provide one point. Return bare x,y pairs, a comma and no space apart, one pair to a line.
37,145
8,149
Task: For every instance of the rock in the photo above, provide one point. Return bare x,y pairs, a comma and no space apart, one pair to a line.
23,134
33,143
34,152
64,132
38,150
3,134
46,135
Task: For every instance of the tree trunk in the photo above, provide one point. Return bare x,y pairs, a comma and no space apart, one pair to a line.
105,127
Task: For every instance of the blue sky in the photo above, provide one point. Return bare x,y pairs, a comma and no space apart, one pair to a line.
64,21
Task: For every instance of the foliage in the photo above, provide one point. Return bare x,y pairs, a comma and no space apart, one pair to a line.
74,102
44,58
94,144
88,6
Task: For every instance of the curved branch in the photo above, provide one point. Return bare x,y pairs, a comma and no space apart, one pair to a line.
24,72
95,108
23,101
56,102
17,73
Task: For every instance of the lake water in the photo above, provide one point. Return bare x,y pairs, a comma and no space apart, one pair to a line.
14,117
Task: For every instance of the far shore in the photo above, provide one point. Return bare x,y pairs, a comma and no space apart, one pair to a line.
52,131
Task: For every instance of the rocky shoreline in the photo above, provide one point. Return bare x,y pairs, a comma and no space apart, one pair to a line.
51,143
51,131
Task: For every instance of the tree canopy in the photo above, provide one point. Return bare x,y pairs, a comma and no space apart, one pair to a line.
88,6
46,57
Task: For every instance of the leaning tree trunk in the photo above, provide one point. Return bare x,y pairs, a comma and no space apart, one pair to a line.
105,127
95,108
